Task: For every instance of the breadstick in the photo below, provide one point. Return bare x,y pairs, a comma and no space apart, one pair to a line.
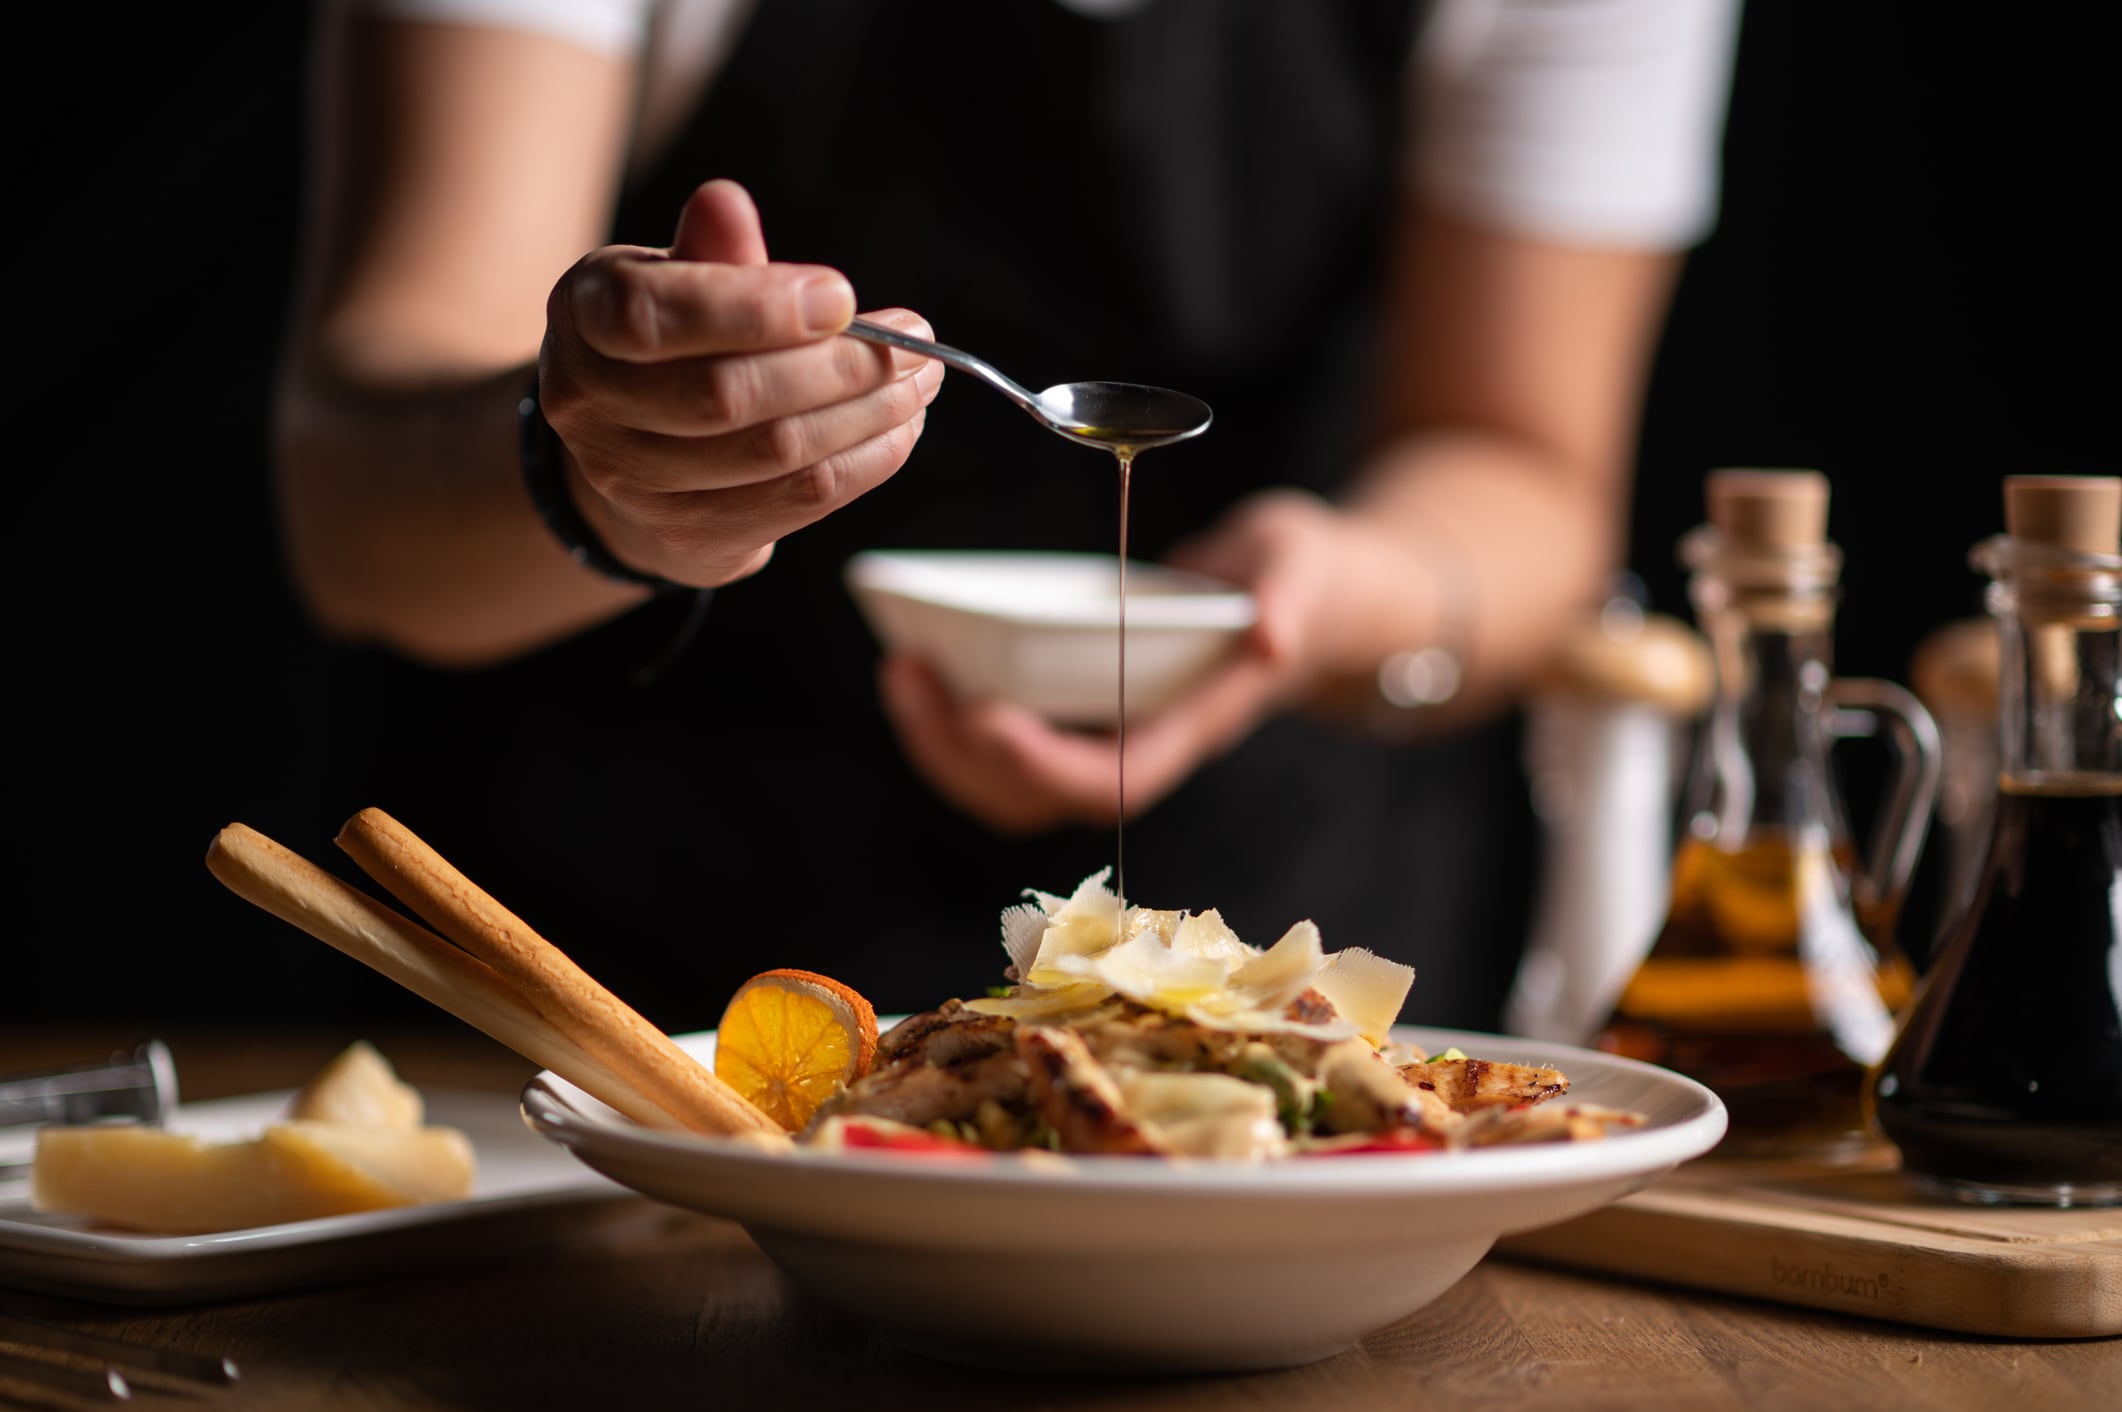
299,892
603,1024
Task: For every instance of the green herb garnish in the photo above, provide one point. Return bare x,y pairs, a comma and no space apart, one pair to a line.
1261,1065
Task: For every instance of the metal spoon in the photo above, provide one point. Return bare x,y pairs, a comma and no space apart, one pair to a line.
1122,417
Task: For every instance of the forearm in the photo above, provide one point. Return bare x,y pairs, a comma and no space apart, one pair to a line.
405,520
1494,501
456,171
1477,542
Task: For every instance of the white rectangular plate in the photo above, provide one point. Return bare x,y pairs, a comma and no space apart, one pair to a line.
520,1199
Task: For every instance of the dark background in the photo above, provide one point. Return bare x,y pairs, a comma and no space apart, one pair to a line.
1910,288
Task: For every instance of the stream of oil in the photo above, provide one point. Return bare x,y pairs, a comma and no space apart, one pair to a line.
1125,453
1126,458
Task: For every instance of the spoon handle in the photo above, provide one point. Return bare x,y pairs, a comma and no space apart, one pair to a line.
944,353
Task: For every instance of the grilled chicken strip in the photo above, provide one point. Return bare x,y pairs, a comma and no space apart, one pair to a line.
1142,1038
1369,1096
1469,1085
1311,1008
1075,1095
1555,1122
949,1034
920,1094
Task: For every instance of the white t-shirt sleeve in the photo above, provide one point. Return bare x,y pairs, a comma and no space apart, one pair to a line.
606,26
1588,121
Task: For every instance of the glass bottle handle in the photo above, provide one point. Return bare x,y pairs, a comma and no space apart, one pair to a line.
1859,707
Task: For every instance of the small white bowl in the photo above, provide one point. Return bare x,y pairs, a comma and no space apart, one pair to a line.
1126,1264
1042,629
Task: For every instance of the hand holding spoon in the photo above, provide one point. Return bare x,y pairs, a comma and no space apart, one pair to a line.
1121,417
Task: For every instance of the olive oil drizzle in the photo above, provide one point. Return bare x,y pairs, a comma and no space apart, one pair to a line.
1125,453
1126,457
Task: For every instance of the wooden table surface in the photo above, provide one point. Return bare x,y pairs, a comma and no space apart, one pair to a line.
666,1309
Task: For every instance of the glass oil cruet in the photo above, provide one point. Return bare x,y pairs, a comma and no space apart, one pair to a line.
1774,978
2005,1081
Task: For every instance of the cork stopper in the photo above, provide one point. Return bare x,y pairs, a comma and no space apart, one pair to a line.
2082,514
1769,509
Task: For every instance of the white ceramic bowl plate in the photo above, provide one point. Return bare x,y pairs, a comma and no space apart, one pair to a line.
1042,630
1139,1265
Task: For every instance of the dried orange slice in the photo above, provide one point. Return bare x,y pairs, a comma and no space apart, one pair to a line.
789,1039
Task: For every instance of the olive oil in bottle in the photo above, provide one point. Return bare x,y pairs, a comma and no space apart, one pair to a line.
1774,978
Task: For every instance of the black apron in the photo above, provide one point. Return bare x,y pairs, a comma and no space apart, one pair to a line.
1190,194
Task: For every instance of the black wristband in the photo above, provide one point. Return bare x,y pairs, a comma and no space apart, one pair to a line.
545,476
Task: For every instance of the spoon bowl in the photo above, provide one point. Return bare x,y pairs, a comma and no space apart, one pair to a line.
1121,417
1124,417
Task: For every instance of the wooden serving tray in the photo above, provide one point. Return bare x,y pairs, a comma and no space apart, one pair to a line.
1859,1240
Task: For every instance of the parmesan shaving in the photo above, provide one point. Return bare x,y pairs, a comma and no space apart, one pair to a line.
1366,989
1273,978
1022,926
1072,954
1043,1002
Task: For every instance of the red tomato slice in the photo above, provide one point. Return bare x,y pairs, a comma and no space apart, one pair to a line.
1401,1140
856,1135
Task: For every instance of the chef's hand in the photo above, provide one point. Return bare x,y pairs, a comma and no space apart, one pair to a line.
707,407
1019,774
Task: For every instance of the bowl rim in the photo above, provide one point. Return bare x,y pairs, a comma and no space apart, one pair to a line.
563,1114
918,576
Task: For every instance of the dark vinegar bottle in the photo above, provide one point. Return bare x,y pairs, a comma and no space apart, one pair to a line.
2004,1083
